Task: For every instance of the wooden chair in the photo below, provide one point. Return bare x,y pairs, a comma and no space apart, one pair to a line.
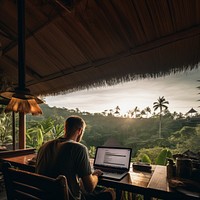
23,185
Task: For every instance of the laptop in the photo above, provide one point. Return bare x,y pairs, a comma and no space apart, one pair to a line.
114,162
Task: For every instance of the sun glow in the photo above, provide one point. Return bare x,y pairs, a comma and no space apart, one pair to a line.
179,89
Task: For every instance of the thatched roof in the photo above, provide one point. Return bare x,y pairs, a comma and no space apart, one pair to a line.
192,110
90,43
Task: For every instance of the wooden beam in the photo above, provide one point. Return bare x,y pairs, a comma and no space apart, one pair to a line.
7,32
29,71
30,34
22,130
21,68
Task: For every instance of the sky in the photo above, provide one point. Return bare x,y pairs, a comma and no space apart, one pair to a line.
179,89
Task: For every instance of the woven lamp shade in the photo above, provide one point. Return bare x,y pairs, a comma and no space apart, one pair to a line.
25,106
22,101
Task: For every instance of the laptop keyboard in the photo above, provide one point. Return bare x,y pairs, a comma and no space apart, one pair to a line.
114,175
110,173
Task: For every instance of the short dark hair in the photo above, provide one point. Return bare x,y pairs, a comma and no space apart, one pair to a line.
73,123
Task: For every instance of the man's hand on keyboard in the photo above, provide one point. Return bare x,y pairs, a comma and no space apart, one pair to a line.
97,172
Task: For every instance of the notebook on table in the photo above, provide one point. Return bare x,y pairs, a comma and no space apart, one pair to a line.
113,161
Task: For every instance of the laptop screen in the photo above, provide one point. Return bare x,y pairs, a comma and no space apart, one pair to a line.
114,157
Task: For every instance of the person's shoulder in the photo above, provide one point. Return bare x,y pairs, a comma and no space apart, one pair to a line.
48,143
77,146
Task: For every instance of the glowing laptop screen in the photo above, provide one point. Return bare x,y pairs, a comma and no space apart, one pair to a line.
113,157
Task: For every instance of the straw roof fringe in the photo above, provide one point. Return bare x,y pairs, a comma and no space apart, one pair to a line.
97,43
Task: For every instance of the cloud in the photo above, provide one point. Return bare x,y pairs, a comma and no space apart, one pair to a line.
179,89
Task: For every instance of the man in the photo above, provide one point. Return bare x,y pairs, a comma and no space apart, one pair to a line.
67,156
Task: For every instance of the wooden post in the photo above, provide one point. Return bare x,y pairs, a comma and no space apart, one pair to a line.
22,130
21,68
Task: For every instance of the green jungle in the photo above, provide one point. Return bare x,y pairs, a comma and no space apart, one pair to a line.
150,138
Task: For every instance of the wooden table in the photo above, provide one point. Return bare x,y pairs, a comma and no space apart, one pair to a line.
154,184
22,162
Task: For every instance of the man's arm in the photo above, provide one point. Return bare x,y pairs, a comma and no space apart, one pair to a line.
90,181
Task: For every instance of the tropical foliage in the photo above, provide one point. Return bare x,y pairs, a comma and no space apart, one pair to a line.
162,157
39,132
136,131
5,129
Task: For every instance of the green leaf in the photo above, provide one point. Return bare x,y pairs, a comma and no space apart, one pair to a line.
162,157
145,158
40,138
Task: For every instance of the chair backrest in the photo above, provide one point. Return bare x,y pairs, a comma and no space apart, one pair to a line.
23,185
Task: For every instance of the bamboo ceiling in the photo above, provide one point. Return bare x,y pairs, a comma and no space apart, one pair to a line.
89,43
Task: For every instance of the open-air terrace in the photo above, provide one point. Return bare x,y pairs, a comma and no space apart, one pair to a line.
54,47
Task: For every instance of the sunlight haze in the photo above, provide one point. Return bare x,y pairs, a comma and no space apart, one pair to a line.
179,89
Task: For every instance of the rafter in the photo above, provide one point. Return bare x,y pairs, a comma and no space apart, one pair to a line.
7,32
30,34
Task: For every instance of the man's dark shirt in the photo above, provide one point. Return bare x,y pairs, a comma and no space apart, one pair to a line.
64,157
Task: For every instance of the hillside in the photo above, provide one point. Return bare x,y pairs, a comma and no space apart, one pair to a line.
137,133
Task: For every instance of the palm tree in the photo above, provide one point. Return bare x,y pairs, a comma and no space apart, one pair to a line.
147,110
142,113
161,104
106,112
180,115
77,110
175,115
111,112
117,110
135,112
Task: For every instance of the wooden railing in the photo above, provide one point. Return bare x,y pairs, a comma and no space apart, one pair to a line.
19,152
13,153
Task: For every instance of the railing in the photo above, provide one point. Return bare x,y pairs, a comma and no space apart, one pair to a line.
13,153
19,152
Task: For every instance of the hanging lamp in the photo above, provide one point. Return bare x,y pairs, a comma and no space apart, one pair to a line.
21,100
